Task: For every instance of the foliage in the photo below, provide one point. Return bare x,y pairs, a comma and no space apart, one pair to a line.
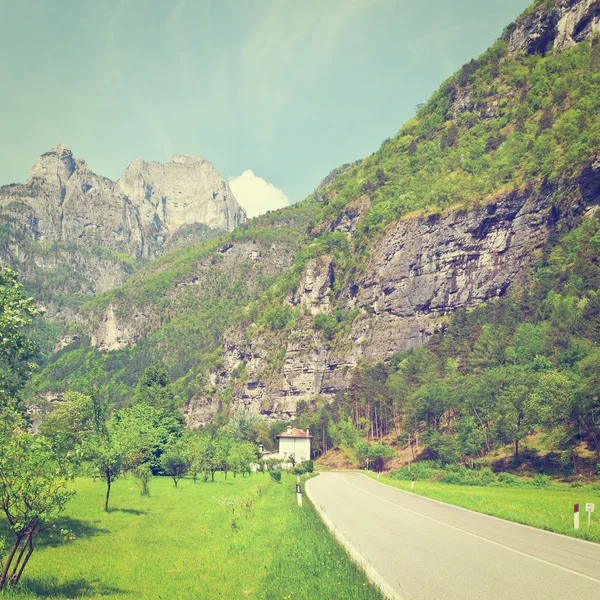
33,492
275,475
17,350
175,462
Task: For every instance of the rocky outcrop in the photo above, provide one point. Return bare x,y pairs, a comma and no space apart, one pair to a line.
423,269
185,191
142,214
559,24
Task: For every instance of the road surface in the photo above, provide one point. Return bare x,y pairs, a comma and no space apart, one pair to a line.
426,550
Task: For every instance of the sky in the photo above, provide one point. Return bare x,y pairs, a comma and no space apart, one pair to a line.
275,93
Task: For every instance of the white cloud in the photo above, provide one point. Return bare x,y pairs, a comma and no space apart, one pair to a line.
256,195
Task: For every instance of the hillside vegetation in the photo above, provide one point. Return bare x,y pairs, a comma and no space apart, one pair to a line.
525,363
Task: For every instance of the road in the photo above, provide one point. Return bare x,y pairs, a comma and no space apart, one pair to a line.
428,550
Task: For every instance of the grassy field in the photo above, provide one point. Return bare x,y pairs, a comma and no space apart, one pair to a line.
239,538
550,508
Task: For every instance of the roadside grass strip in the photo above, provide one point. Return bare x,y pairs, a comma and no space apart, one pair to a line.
550,509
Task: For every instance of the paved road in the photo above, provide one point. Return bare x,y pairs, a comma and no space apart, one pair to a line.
427,550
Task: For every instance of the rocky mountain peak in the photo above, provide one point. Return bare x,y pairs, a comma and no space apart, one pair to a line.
185,190
186,159
56,164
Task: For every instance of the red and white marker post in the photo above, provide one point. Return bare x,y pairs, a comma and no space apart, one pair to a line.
576,516
412,484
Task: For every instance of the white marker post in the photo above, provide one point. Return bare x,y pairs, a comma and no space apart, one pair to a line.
299,494
576,516
412,484
589,509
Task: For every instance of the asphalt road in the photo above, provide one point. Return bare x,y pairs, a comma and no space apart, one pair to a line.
428,550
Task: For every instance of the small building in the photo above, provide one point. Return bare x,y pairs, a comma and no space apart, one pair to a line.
293,443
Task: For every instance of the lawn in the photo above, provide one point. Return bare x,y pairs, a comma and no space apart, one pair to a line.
546,508
234,538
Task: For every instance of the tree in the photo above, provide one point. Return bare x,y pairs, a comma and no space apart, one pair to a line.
17,350
518,409
242,424
241,456
67,426
154,389
175,462
33,491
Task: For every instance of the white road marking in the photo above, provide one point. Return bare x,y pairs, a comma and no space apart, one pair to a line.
480,537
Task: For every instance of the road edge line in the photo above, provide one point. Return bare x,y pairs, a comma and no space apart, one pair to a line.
373,576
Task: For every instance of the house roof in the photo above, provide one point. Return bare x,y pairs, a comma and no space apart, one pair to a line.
293,432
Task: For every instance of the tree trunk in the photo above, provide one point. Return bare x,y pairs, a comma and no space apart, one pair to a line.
175,480
108,482
29,542
9,560
516,452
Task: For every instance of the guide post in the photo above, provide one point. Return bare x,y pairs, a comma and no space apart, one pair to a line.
576,516
589,509
299,494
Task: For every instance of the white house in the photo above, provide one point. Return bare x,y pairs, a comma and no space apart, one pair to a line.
293,442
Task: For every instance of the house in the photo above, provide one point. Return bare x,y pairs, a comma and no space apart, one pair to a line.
293,443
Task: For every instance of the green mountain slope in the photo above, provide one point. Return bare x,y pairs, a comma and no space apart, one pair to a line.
472,232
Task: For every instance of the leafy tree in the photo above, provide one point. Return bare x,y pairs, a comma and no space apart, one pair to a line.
33,491
241,456
68,426
242,425
175,462
17,350
154,389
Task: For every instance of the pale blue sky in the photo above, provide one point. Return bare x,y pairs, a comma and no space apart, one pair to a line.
287,88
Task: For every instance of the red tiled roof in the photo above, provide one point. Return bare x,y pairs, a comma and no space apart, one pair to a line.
293,432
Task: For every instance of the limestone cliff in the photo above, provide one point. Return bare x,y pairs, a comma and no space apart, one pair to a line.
423,269
64,212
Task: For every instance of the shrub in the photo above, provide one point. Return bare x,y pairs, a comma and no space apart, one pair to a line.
509,480
423,470
309,466
463,476
542,481
298,470
276,475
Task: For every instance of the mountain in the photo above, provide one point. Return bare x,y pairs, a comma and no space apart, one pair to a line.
86,233
464,250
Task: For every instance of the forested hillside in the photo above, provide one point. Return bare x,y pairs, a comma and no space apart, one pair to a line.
444,289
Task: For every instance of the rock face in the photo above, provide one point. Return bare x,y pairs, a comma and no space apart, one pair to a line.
63,201
560,25
422,270
185,191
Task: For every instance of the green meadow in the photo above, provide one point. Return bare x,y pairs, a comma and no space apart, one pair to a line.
546,508
236,538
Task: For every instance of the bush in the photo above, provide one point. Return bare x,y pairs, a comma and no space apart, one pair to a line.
276,475
423,470
298,470
463,476
542,481
309,466
509,480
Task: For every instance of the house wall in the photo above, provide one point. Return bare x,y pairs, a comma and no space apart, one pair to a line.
299,447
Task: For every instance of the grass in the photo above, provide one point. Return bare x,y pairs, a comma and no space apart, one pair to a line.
546,508
234,538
